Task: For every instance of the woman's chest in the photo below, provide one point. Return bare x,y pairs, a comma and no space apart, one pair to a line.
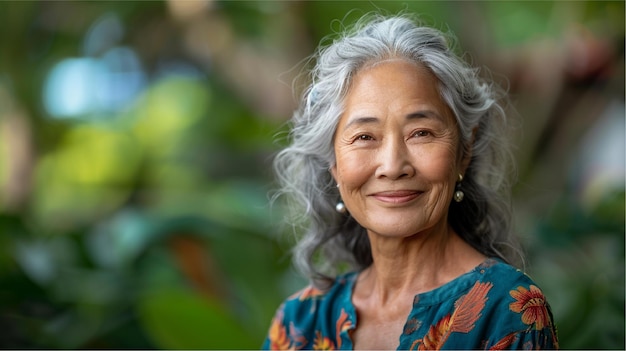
379,328
377,335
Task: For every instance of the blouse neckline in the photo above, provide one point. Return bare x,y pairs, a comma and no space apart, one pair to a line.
445,292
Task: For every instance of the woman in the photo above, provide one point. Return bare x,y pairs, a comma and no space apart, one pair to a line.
397,167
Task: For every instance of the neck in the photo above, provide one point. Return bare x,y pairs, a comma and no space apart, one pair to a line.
408,266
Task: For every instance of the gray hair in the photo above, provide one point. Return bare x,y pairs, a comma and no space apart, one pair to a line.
332,242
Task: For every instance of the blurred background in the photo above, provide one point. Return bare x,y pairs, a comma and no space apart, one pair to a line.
136,140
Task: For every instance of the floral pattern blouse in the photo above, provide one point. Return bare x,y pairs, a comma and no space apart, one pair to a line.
494,306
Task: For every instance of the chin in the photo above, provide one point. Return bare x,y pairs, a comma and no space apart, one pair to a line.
397,231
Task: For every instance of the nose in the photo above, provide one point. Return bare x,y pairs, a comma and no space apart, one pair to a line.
394,160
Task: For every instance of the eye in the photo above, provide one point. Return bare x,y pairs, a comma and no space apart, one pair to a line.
421,134
364,137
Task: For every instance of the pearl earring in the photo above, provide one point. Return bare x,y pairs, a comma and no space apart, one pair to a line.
340,207
459,194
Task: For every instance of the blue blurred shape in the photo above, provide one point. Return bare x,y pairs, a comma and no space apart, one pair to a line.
106,32
70,88
122,81
83,87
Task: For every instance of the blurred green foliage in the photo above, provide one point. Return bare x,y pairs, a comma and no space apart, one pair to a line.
143,220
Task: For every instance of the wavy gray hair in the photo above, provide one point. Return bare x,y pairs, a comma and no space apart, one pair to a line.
332,242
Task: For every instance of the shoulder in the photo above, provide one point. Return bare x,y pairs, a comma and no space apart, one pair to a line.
510,286
310,313
502,274
518,306
508,282
314,298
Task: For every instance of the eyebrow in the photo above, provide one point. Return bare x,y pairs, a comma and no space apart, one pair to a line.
410,116
424,114
360,121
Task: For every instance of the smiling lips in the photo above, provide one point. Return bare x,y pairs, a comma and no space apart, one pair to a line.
397,196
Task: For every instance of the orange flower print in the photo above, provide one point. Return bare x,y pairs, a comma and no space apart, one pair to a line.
343,324
436,335
308,292
468,309
532,304
505,343
278,334
280,339
322,343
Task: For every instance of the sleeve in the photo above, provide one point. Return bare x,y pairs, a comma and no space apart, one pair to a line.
530,318
277,337
296,324
290,320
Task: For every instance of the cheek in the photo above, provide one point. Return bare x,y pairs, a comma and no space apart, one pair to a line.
440,172
353,170
438,164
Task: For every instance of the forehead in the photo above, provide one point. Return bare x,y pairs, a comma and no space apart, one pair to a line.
394,85
393,72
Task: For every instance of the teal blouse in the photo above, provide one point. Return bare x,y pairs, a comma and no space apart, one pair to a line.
494,306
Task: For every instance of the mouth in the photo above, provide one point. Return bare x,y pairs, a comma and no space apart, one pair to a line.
397,196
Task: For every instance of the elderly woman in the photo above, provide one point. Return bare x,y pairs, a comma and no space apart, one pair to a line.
397,165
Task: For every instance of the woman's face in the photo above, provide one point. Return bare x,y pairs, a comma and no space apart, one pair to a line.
397,150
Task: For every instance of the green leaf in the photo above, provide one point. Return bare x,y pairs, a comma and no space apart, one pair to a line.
179,319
